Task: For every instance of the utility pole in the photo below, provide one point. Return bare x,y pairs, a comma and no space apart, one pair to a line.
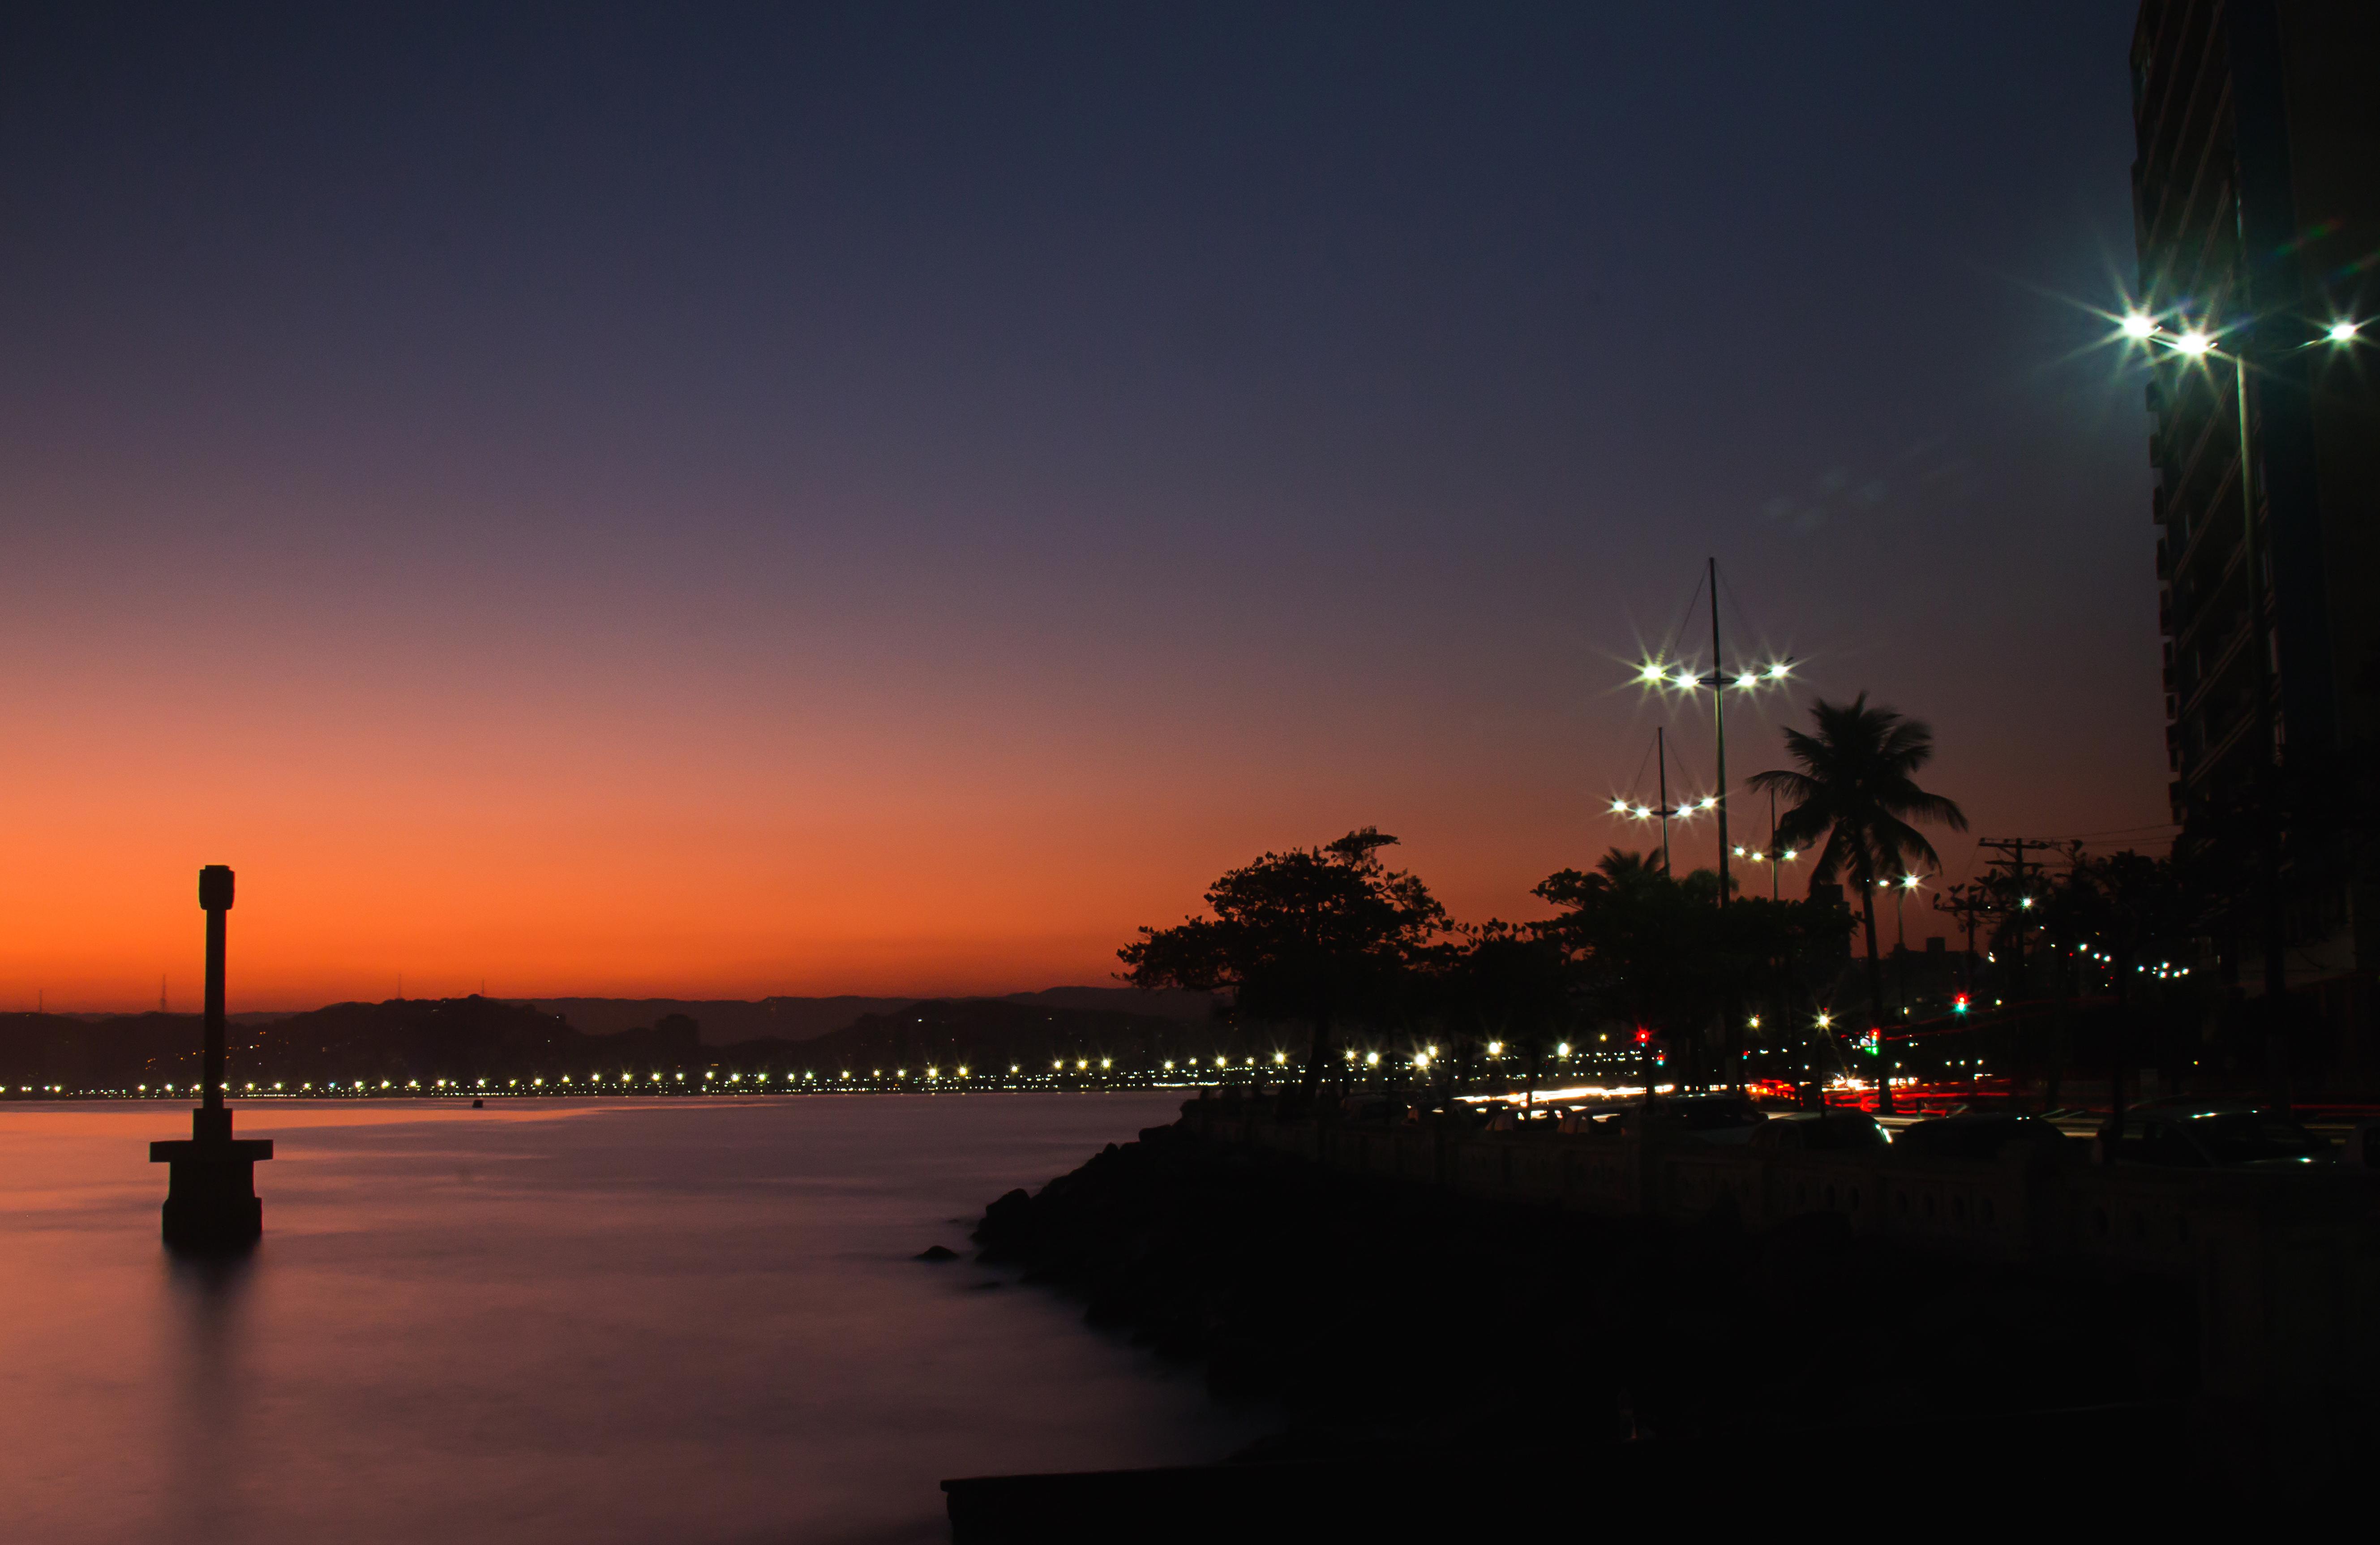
1964,903
2012,851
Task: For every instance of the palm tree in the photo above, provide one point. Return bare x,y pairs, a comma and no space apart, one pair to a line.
1857,783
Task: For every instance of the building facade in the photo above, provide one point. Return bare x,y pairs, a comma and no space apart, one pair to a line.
2256,209
2258,215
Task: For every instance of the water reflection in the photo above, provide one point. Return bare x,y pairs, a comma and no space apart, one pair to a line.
208,1295
556,1324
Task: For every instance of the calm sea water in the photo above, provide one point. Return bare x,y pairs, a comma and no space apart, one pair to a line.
621,1321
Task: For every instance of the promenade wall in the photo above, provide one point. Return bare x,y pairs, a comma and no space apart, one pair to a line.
2285,1266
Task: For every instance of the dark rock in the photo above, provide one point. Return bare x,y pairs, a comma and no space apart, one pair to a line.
1375,1312
936,1252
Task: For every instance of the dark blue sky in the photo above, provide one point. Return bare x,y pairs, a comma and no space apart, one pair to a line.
1073,446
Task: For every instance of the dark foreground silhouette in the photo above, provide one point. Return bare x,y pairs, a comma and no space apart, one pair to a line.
1440,1357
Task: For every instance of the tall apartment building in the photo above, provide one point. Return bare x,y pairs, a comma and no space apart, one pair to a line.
2257,214
2256,207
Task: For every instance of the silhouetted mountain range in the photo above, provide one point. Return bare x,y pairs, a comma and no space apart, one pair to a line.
732,1021
992,1034
469,1039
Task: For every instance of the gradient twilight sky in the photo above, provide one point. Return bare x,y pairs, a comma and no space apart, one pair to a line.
721,501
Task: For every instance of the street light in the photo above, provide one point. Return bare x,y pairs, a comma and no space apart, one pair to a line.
2198,344
1717,681
1901,935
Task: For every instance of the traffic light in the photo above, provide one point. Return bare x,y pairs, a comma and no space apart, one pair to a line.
1643,1036
1959,1004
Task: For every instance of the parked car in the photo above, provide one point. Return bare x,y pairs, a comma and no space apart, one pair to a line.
2214,1134
1823,1131
1981,1135
1709,1118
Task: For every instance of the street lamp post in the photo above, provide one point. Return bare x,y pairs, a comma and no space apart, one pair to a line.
1661,762
1900,935
2198,344
1718,728
1659,674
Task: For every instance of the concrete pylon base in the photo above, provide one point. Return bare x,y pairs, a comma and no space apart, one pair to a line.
211,1201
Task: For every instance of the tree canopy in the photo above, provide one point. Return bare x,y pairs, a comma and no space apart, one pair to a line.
1313,934
1856,782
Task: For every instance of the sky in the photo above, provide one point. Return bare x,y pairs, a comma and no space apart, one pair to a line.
726,501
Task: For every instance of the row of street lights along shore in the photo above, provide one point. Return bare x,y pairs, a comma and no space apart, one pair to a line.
1496,1062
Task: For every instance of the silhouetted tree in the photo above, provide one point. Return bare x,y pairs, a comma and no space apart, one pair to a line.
1510,982
1659,954
1856,783
2113,914
1313,933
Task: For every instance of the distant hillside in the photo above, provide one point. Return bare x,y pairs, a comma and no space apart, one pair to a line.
723,1021
995,1033
459,1039
733,1021
1190,1008
40,1050
468,1038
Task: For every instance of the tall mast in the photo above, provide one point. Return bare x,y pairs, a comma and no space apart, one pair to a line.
1661,755
1719,723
